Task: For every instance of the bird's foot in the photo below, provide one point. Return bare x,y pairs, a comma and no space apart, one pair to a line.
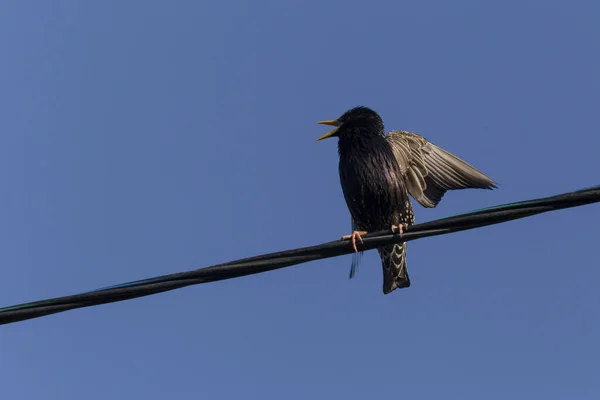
353,237
400,228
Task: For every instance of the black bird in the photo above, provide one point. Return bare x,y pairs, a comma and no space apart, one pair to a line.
378,172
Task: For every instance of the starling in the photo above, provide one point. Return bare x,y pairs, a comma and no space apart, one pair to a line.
378,172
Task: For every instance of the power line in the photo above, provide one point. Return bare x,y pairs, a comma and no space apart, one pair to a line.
282,259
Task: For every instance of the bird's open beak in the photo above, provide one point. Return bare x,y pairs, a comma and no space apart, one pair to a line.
331,133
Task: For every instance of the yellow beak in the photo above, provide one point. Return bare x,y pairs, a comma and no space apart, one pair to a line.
332,132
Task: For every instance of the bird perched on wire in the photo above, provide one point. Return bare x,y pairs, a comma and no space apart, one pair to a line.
378,172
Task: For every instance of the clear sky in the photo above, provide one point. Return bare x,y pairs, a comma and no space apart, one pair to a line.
140,138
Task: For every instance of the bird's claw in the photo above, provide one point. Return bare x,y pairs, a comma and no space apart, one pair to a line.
353,236
400,228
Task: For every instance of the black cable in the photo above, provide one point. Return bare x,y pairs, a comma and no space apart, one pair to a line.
282,259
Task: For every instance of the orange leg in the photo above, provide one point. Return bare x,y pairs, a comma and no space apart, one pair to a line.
400,228
353,236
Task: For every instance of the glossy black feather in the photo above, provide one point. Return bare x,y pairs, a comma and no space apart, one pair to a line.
374,191
377,174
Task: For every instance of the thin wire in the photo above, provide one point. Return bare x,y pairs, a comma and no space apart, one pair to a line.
282,259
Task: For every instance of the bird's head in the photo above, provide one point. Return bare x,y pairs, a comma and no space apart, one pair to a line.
358,120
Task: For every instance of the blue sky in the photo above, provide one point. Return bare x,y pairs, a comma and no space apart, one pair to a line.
145,138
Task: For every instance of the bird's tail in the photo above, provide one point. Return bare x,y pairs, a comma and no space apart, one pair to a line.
395,274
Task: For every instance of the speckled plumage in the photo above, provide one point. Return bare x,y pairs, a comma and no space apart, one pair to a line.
378,172
375,194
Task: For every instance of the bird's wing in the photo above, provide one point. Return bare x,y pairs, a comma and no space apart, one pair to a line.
430,171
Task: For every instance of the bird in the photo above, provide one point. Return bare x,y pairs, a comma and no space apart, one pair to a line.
378,172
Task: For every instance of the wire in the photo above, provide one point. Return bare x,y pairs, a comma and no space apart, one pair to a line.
282,259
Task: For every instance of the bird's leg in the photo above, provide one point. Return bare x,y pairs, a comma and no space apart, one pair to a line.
400,228
353,236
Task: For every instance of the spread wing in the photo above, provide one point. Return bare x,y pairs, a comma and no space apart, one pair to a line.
430,171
